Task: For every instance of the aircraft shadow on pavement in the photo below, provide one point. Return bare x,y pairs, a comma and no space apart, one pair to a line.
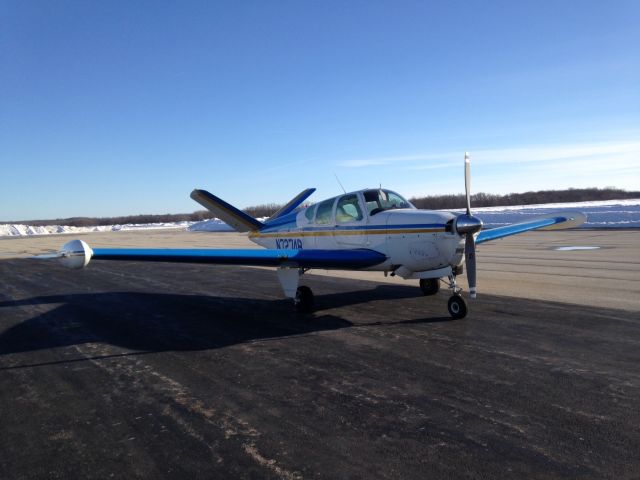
154,322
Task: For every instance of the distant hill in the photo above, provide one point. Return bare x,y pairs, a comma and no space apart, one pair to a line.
435,202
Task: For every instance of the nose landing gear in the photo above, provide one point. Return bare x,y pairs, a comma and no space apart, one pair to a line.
457,306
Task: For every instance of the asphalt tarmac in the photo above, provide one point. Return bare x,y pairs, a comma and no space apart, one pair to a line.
149,370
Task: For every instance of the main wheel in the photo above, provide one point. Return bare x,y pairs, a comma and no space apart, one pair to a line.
304,299
457,307
429,286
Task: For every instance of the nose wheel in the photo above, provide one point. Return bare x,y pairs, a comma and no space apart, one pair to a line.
457,307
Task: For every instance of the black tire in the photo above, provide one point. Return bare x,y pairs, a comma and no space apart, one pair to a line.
457,307
429,286
304,299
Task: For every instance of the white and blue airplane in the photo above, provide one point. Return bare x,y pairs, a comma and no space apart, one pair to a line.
371,229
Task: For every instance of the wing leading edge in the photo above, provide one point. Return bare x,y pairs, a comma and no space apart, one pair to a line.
553,221
329,259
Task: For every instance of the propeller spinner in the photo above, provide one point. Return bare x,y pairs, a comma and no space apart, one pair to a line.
468,225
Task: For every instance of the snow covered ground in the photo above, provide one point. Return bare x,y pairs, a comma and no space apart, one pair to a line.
602,214
214,225
23,230
557,206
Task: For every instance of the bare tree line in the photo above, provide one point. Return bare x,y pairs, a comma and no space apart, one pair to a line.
435,202
439,202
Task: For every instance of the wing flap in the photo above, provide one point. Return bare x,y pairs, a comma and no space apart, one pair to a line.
552,221
329,259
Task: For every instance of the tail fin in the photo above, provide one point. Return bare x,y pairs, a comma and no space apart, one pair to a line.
229,214
291,206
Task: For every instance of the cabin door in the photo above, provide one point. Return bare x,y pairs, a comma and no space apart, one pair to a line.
350,223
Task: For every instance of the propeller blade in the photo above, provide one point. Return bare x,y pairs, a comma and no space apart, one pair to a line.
467,181
470,260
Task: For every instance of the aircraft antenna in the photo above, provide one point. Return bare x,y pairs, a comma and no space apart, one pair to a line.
339,182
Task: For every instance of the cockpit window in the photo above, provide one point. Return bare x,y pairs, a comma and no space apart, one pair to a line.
380,200
348,209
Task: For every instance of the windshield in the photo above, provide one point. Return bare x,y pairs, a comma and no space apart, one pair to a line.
380,200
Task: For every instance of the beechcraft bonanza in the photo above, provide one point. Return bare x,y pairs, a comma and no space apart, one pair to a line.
372,229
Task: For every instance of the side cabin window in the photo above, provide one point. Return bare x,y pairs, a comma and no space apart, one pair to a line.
348,209
324,211
309,213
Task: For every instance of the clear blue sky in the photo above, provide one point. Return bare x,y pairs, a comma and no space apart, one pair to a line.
123,107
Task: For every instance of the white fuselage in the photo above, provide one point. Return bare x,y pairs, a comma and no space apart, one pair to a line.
416,242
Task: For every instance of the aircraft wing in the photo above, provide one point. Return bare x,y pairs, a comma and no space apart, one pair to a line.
552,221
328,259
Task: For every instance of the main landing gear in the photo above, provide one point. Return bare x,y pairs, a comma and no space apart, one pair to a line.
303,300
429,286
301,294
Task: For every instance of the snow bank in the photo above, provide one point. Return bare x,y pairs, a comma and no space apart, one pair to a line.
27,230
213,225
